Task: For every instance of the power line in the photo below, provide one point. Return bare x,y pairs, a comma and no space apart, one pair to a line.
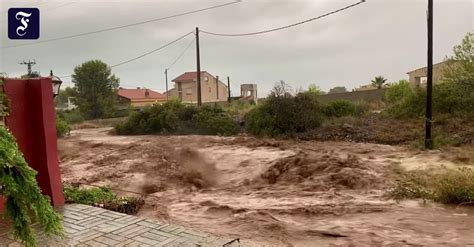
144,54
123,26
182,53
152,51
287,26
57,7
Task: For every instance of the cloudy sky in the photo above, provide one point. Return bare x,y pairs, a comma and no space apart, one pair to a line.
378,37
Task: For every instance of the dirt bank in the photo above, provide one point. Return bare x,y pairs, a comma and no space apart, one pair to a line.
268,192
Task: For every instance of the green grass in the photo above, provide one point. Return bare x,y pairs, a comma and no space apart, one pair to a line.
103,197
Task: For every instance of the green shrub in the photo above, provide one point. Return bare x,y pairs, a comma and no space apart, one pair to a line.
403,101
103,197
175,117
453,94
448,97
213,120
286,114
412,185
340,108
448,186
397,91
88,196
62,128
455,187
71,117
238,108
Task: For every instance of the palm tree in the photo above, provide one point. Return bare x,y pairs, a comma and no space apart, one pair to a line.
378,81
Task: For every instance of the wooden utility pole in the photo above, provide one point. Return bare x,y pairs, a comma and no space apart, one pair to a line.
166,79
198,72
429,85
228,89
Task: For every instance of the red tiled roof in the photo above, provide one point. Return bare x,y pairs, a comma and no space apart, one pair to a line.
187,76
139,94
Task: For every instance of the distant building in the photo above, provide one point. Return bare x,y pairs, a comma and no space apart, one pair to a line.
417,77
248,93
185,88
139,97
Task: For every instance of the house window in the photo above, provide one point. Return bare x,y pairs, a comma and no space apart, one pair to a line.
189,91
209,89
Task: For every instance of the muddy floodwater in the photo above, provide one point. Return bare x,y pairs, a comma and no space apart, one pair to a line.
270,192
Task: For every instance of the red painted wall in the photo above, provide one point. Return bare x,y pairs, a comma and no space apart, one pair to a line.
31,120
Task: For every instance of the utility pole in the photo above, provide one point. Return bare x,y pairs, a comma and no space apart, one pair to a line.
228,89
166,79
198,72
429,85
29,64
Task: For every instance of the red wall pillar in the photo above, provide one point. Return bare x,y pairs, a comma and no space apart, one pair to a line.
31,120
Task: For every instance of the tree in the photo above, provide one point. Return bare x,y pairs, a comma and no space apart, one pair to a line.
281,89
337,90
378,82
95,86
457,91
312,88
460,67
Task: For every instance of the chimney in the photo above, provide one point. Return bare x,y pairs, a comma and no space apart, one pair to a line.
138,87
147,94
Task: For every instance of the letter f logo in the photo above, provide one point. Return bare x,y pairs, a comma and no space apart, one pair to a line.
23,23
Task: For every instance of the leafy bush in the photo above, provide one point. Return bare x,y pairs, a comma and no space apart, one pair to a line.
73,117
213,120
175,117
455,187
448,97
397,91
340,108
404,101
286,114
449,186
103,197
238,108
62,128
24,200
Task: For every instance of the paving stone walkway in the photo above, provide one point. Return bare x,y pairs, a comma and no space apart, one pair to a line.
97,227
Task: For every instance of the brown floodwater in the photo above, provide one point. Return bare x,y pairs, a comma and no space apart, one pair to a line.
270,192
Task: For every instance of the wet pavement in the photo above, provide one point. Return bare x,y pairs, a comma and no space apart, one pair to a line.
97,227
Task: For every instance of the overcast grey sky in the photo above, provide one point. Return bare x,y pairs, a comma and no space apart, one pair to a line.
379,37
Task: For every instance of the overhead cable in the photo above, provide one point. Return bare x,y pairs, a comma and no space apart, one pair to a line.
122,26
182,53
284,27
144,54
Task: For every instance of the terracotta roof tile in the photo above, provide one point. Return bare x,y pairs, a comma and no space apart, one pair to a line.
139,94
187,76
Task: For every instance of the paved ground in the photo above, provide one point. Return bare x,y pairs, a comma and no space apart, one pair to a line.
97,227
